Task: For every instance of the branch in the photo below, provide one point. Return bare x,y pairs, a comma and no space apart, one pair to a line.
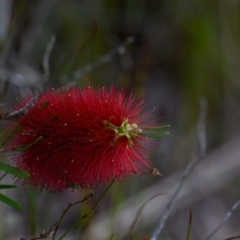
3,176
200,150
129,234
232,238
85,215
46,58
57,224
22,111
103,59
228,215
50,232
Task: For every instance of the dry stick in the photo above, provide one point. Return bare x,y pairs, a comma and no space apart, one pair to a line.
232,238
84,216
228,215
200,150
3,176
46,58
103,59
57,224
22,111
42,235
128,236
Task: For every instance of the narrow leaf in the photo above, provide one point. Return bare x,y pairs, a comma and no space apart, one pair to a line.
13,170
3,186
189,226
10,202
163,127
155,135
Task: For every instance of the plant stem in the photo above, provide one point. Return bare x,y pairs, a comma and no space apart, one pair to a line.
84,216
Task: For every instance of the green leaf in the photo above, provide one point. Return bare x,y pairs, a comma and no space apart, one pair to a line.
163,127
13,170
10,202
155,135
3,186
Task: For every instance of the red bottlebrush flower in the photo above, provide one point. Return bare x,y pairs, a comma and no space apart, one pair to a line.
81,137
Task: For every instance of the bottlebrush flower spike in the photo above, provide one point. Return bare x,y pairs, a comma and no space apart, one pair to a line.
80,137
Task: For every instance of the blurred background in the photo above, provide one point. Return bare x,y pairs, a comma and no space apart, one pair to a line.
183,51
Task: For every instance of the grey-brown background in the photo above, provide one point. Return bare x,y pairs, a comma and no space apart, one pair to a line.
183,50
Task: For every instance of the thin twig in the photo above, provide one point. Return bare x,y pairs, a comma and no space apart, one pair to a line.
85,215
3,176
103,59
200,150
22,111
46,58
128,236
57,224
50,232
228,215
100,198
43,234
232,238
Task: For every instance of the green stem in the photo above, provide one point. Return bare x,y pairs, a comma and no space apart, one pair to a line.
189,226
32,211
84,216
